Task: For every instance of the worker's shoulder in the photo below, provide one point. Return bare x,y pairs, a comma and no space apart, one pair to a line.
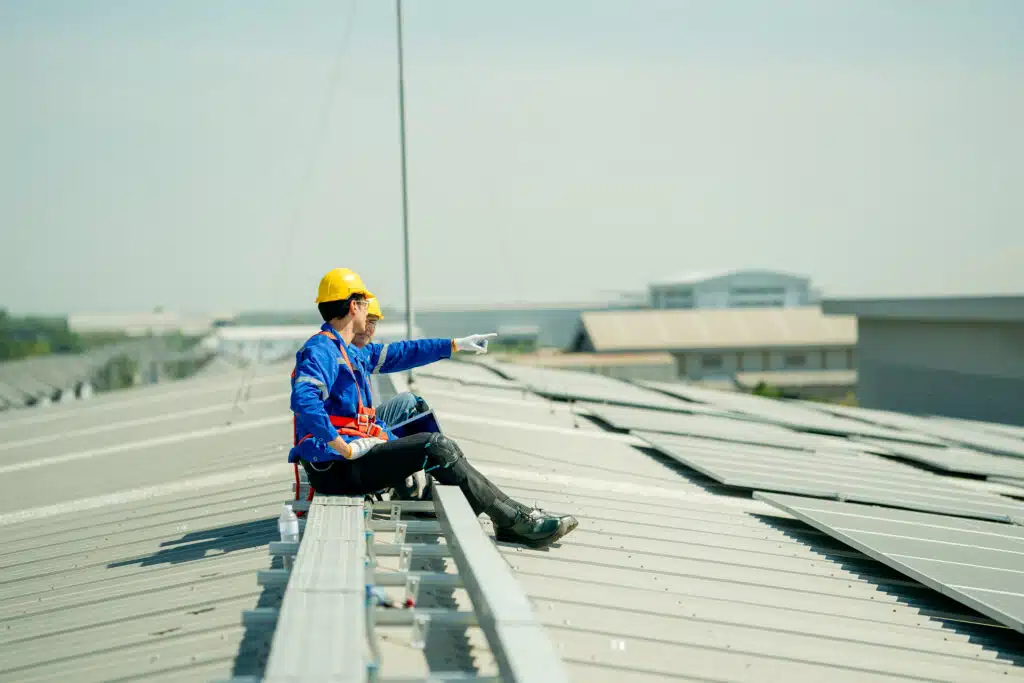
320,343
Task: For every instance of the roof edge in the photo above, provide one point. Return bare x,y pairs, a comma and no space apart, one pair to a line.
994,308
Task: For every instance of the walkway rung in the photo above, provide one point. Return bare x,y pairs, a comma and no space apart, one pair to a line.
384,578
283,548
406,505
405,617
412,526
445,677
259,616
272,577
418,549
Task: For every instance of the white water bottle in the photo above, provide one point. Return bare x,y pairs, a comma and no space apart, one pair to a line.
288,525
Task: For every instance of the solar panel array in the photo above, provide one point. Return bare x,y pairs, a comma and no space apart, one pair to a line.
981,564
949,432
954,458
712,427
788,414
843,475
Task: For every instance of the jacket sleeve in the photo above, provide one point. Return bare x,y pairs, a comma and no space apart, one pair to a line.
314,376
405,355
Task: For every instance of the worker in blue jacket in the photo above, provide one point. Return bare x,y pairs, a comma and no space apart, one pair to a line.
345,452
395,357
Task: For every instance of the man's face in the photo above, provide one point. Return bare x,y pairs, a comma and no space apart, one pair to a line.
357,310
363,338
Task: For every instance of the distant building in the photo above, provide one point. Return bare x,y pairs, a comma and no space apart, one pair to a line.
732,289
656,366
270,343
551,325
144,324
729,343
958,357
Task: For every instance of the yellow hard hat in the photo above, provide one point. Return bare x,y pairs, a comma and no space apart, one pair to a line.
339,284
374,307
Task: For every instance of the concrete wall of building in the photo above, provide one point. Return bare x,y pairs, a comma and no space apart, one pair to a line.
971,370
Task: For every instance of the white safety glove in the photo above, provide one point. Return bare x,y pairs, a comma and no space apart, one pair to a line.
361,447
417,482
474,342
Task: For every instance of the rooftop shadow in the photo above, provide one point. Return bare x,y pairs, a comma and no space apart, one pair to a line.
200,544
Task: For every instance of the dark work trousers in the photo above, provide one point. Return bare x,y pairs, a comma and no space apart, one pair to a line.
391,462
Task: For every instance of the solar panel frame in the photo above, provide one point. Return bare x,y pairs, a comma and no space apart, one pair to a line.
954,458
790,414
840,475
717,427
949,432
937,550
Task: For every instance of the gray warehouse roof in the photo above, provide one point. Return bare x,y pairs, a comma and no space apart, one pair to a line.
131,538
962,308
734,328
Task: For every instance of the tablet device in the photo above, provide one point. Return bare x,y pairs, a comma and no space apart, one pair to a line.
417,424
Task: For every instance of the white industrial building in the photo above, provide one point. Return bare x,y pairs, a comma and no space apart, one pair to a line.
745,288
272,343
958,357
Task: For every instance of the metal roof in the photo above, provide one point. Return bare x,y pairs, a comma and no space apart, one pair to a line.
698,277
135,558
704,329
937,308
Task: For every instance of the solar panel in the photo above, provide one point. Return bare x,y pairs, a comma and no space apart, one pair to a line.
980,564
954,459
1015,431
712,427
789,414
1010,481
991,442
584,386
843,475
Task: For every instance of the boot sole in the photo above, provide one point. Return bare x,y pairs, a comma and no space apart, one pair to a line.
564,529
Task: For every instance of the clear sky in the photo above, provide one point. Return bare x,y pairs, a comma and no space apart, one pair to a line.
223,154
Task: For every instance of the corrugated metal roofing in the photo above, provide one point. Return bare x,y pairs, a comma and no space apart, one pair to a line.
135,562
733,328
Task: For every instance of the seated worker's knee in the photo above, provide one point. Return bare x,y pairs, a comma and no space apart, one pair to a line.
443,450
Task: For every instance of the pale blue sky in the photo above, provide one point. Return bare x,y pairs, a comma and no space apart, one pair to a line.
158,153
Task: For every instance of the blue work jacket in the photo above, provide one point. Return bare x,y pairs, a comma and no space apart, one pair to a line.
324,385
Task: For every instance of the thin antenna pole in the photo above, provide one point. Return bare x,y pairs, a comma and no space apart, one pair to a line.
405,194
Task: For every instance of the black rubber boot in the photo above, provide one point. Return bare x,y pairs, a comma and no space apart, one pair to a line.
536,529
513,521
